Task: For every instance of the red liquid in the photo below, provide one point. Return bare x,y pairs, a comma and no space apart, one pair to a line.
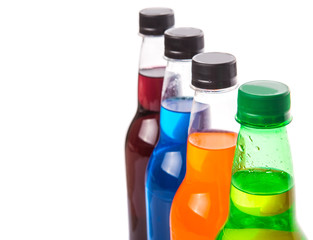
141,139
150,83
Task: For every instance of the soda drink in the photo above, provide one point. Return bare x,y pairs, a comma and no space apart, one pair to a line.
167,165
143,132
200,206
262,203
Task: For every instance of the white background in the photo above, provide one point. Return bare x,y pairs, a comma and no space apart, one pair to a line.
68,91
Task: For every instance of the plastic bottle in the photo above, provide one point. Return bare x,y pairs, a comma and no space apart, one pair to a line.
262,205
143,132
200,206
167,165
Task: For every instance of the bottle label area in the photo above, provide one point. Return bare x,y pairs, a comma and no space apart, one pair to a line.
262,192
261,206
259,234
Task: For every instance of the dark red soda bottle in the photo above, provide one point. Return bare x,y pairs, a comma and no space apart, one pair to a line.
143,132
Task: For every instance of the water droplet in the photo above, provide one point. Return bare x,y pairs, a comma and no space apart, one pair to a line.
249,155
250,138
258,147
241,148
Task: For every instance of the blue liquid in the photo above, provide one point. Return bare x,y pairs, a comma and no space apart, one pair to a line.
167,166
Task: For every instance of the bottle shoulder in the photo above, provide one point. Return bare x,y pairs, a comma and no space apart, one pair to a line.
141,138
166,150
167,167
144,129
199,208
263,148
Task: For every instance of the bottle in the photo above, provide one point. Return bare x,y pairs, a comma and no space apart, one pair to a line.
143,132
262,204
200,206
167,165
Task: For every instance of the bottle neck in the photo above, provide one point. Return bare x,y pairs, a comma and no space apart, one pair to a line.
152,52
210,157
177,79
212,137
259,148
214,110
151,73
176,101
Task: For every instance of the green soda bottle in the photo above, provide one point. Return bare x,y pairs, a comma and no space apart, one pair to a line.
262,203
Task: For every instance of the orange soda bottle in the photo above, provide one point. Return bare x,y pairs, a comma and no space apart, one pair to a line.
200,206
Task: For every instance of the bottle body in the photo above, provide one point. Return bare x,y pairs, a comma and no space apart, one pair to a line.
167,165
143,132
200,206
262,202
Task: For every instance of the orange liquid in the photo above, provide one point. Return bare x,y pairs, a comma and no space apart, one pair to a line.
200,206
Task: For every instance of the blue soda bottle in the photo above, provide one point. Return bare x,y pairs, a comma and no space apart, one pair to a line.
167,165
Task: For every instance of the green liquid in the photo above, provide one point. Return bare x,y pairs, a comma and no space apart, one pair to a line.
261,206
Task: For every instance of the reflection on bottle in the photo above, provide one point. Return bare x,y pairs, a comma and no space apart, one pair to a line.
200,118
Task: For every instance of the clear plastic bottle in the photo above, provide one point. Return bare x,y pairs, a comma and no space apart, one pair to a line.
167,165
200,206
143,132
262,203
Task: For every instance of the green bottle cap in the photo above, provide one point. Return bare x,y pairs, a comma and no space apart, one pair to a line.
263,104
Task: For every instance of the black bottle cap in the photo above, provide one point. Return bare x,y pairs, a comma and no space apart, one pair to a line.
183,43
214,70
154,21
